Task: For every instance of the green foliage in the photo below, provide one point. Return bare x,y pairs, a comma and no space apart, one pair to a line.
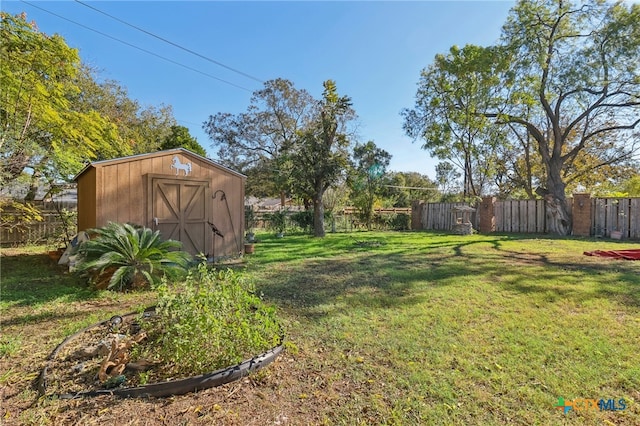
303,219
365,178
63,235
277,220
321,153
401,222
255,141
553,105
41,127
249,218
446,116
16,216
9,345
287,141
54,116
211,320
180,138
632,186
121,256
136,129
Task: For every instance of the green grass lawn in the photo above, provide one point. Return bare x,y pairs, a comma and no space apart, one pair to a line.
423,328
407,328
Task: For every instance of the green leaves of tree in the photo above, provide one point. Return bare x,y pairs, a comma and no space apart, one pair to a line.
553,103
54,116
369,166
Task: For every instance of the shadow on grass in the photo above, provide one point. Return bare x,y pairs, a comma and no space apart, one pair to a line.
397,273
46,316
34,279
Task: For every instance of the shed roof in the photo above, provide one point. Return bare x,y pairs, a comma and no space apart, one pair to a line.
156,154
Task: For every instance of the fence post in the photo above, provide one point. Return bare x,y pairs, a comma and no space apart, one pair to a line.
416,214
581,211
487,215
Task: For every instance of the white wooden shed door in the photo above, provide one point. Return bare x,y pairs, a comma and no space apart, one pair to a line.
179,210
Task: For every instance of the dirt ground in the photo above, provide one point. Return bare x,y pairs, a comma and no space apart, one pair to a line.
278,394
288,391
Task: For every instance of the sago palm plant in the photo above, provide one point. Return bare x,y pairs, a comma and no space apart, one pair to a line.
121,256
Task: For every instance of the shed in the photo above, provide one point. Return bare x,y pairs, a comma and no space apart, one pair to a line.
186,197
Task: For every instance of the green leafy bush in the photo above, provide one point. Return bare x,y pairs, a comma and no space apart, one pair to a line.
211,320
277,221
303,219
401,222
121,256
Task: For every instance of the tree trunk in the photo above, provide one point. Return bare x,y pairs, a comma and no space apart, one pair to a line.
34,183
559,219
14,166
318,211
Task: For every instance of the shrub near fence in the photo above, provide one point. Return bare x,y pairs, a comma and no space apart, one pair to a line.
344,220
50,228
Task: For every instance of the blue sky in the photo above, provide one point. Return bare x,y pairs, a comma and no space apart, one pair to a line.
373,50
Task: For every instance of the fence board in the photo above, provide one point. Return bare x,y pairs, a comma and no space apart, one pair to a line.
616,214
37,232
623,216
497,214
634,218
531,217
507,216
441,216
521,216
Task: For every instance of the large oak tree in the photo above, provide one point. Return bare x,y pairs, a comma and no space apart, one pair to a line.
287,141
254,142
573,85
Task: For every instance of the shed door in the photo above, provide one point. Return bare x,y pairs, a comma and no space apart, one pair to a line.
179,210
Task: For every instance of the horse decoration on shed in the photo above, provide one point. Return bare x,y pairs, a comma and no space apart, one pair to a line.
176,164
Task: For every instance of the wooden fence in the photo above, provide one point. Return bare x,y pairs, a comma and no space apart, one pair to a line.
616,214
607,215
441,216
49,229
520,216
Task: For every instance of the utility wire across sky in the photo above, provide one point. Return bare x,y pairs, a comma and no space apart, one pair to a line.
206,58
137,47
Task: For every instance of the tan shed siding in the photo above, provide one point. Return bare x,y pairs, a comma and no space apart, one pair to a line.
156,165
109,205
116,190
87,200
100,199
136,194
232,227
122,193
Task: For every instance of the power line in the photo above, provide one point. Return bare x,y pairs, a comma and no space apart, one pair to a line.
206,58
424,188
137,47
